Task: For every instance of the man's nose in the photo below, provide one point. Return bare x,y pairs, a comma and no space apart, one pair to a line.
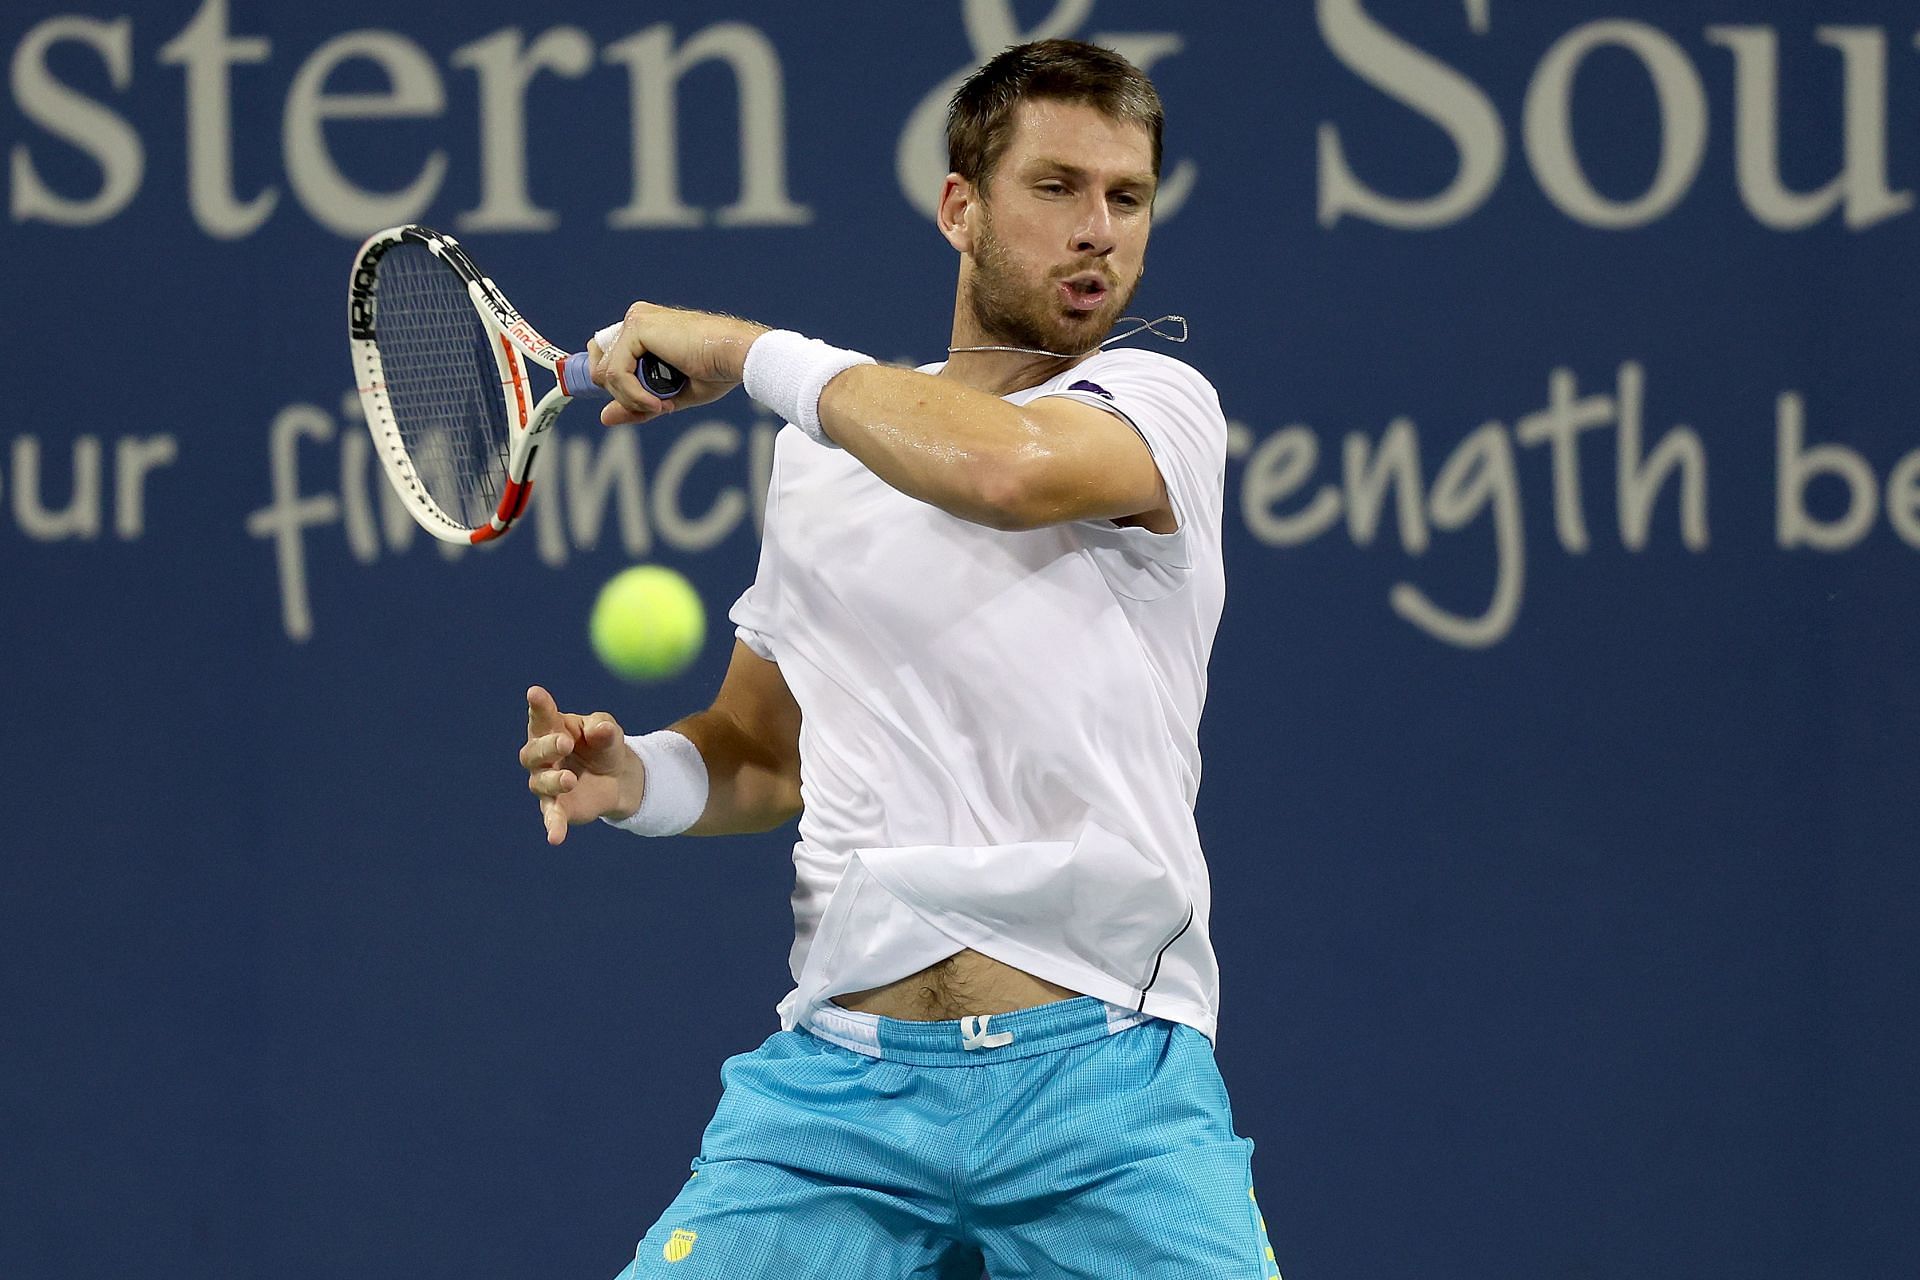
1094,235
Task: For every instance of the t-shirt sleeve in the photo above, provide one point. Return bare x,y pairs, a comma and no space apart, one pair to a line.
755,614
1178,415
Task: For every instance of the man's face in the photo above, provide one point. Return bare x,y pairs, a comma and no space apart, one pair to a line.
1060,236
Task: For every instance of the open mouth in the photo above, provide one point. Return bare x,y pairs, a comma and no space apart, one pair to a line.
1084,293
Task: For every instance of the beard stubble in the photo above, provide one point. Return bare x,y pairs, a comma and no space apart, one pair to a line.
1011,311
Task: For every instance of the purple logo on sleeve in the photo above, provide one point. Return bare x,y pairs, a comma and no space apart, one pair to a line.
1096,388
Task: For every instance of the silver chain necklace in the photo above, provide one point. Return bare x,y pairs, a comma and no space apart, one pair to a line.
1139,326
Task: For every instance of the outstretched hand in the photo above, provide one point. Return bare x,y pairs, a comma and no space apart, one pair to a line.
579,766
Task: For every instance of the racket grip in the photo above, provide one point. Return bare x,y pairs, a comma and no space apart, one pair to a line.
656,375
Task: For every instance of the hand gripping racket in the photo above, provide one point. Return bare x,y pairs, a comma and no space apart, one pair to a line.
440,357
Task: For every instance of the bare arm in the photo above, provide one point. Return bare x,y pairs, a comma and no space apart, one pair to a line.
963,450
582,769
750,740
975,456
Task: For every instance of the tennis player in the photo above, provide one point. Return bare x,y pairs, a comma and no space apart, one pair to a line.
972,662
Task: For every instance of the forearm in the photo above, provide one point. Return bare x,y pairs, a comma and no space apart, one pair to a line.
955,447
969,453
750,786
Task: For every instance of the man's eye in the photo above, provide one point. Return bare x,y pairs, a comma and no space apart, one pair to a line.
1054,188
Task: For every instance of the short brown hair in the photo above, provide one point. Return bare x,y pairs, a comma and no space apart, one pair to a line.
981,116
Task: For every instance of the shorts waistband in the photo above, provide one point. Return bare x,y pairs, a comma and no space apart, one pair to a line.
975,1040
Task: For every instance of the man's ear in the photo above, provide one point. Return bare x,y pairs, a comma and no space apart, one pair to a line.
955,214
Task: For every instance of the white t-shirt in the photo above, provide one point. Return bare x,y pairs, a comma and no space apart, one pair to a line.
999,741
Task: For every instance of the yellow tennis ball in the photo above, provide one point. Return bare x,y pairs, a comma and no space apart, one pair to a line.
647,623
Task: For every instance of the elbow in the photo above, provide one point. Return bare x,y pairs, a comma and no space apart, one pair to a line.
1010,494
788,803
765,803
783,793
791,811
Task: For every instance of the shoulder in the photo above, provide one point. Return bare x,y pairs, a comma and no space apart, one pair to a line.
1130,369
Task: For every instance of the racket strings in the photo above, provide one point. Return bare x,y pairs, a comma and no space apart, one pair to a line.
443,383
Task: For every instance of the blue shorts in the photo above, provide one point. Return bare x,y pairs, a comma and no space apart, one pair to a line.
1056,1146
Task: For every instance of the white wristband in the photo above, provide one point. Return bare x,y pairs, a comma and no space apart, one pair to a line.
787,371
676,788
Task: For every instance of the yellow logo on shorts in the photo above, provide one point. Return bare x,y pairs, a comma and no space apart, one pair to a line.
679,1246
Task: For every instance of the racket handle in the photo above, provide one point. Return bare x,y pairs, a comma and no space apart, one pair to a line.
656,375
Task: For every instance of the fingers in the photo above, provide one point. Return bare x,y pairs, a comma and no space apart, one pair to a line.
551,784
616,372
544,718
542,752
551,737
601,745
605,338
631,402
542,714
597,738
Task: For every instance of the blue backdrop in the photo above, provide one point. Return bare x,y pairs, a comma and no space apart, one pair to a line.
1560,783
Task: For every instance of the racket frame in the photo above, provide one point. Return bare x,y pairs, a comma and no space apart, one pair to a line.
513,341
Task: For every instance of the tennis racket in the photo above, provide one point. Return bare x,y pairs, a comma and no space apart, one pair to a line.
440,357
